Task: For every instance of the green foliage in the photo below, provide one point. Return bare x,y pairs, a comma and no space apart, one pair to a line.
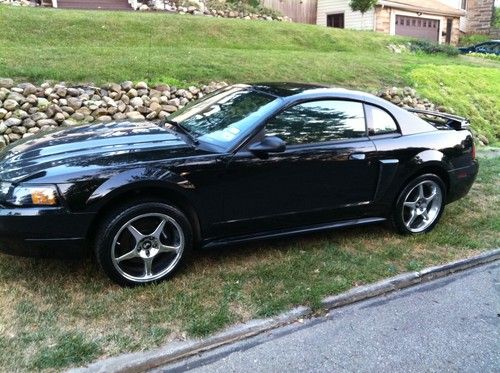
471,92
362,6
472,39
429,47
243,6
488,56
252,3
495,22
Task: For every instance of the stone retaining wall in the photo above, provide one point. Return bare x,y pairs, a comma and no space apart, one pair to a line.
224,10
26,109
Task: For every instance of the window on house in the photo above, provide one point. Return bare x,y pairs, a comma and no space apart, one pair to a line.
335,20
464,4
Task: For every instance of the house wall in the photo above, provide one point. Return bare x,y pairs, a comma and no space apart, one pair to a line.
479,13
352,20
385,21
458,5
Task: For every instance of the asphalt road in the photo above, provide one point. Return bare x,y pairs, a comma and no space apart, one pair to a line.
451,324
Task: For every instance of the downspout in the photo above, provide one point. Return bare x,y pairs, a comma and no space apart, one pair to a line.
54,3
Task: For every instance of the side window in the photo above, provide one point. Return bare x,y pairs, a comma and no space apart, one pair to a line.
319,121
379,121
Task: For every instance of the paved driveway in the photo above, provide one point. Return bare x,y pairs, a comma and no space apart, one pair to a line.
451,324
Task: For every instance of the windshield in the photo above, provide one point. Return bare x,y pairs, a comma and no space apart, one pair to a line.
225,116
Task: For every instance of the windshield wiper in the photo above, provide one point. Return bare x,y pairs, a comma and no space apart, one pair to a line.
183,130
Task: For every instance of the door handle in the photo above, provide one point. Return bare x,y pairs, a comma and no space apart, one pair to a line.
357,156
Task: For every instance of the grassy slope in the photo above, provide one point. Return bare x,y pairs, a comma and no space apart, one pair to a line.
42,44
99,47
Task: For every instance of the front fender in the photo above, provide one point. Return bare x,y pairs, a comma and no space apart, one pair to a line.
133,179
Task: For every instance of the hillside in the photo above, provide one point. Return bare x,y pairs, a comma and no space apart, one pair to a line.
86,46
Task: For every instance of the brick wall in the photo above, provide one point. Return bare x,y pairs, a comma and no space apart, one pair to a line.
495,33
479,13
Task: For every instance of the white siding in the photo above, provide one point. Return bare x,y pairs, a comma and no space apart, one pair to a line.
457,4
352,20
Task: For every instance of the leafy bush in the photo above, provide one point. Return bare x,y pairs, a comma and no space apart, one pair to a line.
433,48
495,22
252,3
472,39
243,6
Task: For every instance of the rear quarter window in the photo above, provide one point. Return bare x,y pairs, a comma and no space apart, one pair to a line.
379,121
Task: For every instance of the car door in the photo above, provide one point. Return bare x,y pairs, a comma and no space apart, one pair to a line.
325,174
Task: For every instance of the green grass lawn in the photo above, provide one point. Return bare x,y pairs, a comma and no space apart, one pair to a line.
56,314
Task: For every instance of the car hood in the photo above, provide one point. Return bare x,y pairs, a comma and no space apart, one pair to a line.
97,145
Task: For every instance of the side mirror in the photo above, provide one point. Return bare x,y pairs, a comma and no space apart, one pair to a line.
270,144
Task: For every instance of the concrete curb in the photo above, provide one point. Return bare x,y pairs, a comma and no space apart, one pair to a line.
142,361
407,279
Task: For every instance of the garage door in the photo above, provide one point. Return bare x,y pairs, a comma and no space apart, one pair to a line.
417,27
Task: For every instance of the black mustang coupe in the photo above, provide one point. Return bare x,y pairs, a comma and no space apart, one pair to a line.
245,162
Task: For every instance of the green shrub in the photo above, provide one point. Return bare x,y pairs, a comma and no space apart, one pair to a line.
472,39
433,48
243,6
495,22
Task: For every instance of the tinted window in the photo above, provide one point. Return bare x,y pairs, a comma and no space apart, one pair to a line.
319,121
224,116
379,121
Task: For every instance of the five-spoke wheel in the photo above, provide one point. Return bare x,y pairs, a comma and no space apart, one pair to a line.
420,204
142,243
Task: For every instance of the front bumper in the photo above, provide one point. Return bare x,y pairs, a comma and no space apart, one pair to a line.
461,180
46,232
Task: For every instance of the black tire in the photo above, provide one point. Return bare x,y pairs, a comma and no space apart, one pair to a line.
402,214
114,239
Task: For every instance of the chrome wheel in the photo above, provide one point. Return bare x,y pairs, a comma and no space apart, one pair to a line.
147,247
422,205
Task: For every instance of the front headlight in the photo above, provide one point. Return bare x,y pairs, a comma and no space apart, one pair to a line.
33,195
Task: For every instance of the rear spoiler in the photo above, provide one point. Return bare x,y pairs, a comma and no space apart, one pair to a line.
443,119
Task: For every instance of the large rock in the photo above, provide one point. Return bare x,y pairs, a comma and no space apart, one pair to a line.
38,116
136,102
169,108
74,103
18,97
134,115
46,122
62,91
3,112
10,105
115,87
28,89
42,103
13,122
6,82
127,85
20,130
141,85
